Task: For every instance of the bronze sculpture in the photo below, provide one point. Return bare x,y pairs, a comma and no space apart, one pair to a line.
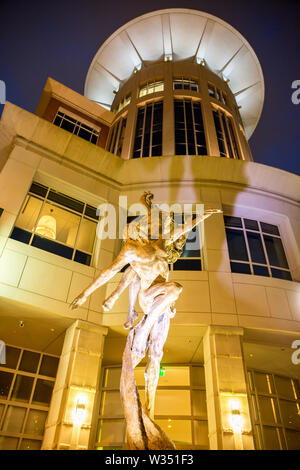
147,277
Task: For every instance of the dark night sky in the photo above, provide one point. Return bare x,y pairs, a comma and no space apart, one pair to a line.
59,39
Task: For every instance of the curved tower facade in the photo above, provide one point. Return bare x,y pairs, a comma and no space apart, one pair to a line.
170,101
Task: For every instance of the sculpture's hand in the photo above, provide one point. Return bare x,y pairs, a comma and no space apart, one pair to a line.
213,211
78,301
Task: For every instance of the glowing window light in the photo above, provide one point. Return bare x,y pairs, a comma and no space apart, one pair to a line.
46,227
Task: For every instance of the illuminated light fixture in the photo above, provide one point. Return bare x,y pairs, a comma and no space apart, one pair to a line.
162,371
168,57
137,67
46,226
226,79
200,60
80,410
236,420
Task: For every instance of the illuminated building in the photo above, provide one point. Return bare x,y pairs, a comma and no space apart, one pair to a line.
170,102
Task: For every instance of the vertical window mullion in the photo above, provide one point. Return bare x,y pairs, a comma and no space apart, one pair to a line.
265,250
247,246
230,137
143,129
223,133
185,128
77,235
151,130
194,128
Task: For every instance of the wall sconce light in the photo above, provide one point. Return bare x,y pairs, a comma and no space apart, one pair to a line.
80,410
236,420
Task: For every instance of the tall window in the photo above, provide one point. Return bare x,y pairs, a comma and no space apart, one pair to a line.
275,405
189,128
180,407
57,223
255,248
26,385
124,102
185,84
151,87
191,258
216,93
76,127
225,134
148,133
117,137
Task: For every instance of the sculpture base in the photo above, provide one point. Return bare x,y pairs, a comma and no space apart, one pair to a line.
142,432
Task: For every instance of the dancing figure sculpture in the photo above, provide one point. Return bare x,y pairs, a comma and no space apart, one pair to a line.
148,279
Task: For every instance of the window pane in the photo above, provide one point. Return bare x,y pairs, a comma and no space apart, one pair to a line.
20,235
110,431
256,248
14,419
269,228
275,252
8,443
236,245
242,268
91,211
112,377
30,444
271,438
35,423
49,366
293,439
179,430
86,235
82,258
39,189
111,404
22,388
12,356
201,434
278,273
263,383
29,213
187,265
29,361
5,383
43,392
199,403
66,201
260,271
251,224
268,410
284,387
172,402
51,246
233,221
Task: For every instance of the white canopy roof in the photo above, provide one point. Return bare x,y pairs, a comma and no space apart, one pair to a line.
180,34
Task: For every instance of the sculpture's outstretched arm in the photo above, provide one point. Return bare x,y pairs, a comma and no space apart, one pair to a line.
178,232
123,258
